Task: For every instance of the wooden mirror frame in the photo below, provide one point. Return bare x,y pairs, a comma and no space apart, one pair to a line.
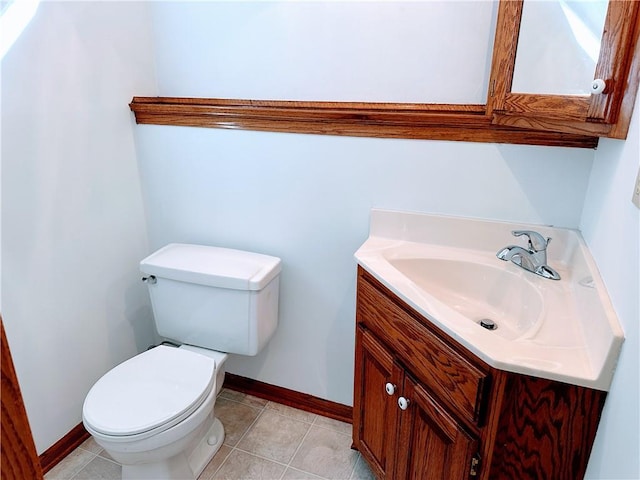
604,115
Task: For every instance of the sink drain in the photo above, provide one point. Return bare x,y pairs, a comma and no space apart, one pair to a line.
488,324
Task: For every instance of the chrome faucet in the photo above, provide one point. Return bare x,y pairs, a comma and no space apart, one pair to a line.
533,258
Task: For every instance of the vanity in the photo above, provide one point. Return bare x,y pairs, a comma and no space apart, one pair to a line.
440,396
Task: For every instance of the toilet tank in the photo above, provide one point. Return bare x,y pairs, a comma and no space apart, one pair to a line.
216,298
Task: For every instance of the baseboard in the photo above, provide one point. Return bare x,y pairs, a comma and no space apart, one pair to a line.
72,440
303,401
63,447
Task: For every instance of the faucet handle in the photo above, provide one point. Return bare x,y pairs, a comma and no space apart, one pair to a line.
537,242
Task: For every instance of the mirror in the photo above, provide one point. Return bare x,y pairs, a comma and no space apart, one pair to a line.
558,46
401,51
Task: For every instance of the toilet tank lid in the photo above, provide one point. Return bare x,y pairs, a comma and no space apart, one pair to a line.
212,266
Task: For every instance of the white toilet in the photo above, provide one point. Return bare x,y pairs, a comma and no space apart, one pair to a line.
154,413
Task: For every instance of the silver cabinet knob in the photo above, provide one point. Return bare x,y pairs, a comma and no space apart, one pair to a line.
390,388
403,403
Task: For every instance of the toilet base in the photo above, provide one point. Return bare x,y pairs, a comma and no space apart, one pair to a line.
207,448
187,464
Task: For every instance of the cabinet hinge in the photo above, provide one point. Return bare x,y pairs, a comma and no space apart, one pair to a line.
475,465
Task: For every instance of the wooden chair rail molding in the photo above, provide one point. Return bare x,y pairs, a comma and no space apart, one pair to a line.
469,123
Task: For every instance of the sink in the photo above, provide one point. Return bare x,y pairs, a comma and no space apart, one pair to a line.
445,268
478,292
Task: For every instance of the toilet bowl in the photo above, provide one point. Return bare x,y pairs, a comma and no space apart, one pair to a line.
154,413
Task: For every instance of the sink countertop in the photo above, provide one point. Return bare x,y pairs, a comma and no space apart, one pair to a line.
578,338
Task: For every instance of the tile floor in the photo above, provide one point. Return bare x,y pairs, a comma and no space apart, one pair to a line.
264,440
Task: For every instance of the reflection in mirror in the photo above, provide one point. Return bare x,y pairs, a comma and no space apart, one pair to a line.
558,46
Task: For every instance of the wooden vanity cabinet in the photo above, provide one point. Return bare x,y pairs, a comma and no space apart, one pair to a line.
463,419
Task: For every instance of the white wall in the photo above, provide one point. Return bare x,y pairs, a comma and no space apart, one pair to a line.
307,199
611,226
72,215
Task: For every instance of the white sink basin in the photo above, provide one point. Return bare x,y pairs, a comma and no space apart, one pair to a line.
479,292
447,270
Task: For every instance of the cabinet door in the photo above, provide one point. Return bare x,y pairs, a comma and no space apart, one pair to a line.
432,445
375,411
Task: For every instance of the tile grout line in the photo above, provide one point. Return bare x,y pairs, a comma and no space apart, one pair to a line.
288,464
355,465
221,463
95,456
311,425
234,447
334,430
82,467
275,411
293,455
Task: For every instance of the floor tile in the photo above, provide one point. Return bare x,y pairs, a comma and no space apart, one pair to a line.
293,474
104,454
296,413
326,453
100,469
244,466
243,398
211,468
236,418
362,471
91,445
274,436
72,464
338,426
264,440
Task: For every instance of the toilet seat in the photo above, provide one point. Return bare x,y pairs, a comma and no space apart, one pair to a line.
149,393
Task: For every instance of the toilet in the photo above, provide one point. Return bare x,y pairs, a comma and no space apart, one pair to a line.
154,413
